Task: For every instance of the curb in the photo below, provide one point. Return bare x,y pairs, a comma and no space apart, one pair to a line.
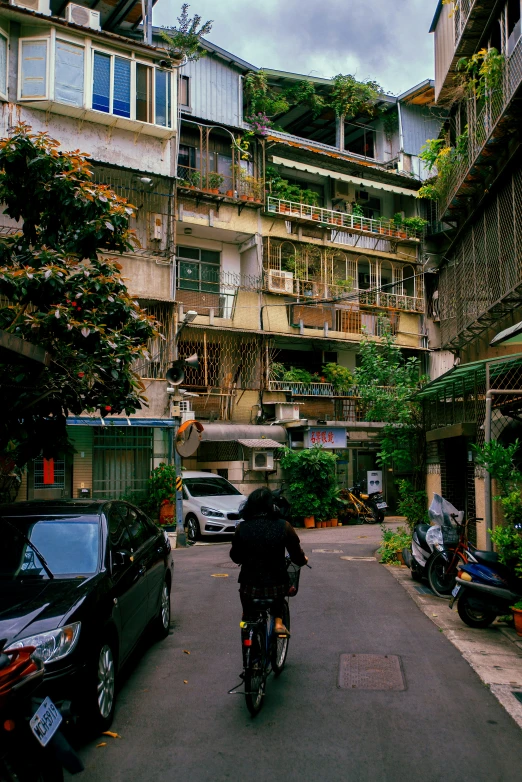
494,653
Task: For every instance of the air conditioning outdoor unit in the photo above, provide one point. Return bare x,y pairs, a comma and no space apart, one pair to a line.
40,6
187,413
287,412
79,14
280,282
262,460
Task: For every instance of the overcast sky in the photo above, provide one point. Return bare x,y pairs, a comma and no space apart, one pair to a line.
386,40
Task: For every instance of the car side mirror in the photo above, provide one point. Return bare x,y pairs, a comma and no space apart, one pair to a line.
121,559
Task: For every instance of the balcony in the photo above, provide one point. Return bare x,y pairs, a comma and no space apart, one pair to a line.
486,128
315,389
383,227
321,401
239,187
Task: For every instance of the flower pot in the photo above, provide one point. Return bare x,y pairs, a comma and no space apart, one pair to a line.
333,522
517,616
214,190
250,198
243,197
399,557
309,522
166,514
230,193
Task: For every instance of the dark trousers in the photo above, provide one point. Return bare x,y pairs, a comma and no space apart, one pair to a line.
250,610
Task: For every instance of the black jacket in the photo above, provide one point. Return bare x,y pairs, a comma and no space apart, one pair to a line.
259,547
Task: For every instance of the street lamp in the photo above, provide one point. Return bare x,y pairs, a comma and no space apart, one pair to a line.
175,376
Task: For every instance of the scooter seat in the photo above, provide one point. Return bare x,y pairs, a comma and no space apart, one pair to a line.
421,531
486,557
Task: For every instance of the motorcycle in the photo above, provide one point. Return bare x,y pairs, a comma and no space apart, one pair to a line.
430,541
282,503
374,502
32,746
485,589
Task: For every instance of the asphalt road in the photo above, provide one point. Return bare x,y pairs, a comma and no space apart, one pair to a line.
177,722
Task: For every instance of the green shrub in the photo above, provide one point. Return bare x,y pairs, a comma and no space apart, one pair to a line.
392,543
412,504
311,481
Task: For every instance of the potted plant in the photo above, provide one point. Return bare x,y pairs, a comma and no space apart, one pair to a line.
194,179
357,214
215,181
398,225
162,492
517,616
416,224
392,544
310,473
340,377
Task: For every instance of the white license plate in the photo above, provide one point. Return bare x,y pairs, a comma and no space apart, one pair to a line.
381,505
46,722
456,590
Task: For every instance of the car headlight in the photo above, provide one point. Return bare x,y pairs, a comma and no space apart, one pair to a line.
212,512
53,645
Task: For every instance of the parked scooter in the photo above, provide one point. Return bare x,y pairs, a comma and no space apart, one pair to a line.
32,746
428,540
485,589
375,503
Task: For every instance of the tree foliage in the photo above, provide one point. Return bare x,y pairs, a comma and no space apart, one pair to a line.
61,294
312,484
350,98
185,39
387,382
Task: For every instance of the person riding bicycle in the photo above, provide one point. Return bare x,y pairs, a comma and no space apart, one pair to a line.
259,545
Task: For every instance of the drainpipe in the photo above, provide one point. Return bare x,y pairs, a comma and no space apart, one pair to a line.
401,134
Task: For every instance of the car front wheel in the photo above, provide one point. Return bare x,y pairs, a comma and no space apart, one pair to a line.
192,528
100,697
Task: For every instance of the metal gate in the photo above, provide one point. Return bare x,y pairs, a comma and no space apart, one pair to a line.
122,460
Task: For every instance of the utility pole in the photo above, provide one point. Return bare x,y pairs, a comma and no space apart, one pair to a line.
175,377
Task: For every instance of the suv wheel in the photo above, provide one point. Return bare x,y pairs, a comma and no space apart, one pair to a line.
192,528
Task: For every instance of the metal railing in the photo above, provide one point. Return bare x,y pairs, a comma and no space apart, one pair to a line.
317,389
246,188
461,12
350,222
481,126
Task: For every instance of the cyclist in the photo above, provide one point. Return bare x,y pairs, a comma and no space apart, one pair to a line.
259,545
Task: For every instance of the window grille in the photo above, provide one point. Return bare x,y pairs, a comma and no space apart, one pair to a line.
122,460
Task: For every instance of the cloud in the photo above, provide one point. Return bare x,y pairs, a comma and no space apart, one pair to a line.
386,40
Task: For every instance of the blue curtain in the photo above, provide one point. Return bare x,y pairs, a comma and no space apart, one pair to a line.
101,89
122,77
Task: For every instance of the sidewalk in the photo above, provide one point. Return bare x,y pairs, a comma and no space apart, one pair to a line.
495,653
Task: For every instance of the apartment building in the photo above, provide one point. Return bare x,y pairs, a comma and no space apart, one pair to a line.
91,80
282,283
477,247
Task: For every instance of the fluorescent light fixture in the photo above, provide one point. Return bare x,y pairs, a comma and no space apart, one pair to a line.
189,316
510,336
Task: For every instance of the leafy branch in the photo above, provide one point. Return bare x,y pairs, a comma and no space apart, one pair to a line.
185,39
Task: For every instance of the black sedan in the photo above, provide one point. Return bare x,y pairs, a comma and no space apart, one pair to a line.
82,581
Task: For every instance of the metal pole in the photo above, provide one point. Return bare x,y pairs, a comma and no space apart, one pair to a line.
488,515
181,538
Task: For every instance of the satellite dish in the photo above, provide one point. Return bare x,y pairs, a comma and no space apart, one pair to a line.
188,438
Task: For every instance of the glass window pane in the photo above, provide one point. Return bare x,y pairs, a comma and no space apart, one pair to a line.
68,82
101,88
161,98
34,69
143,93
184,91
209,278
121,95
3,65
210,256
188,276
188,252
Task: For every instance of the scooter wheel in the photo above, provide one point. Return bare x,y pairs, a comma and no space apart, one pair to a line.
474,617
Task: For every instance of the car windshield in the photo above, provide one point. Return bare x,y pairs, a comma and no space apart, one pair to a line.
210,487
69,547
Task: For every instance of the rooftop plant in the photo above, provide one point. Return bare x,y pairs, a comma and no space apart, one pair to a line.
185,40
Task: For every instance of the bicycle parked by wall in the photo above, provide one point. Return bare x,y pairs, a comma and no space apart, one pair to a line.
454,549
263,651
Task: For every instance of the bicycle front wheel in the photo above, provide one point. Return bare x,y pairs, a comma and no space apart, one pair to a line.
255,678
441,576
280,645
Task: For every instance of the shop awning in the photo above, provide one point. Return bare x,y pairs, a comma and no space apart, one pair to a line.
261,443
86,420
356,180
466,376
238,432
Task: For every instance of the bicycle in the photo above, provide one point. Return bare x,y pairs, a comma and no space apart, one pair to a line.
264,651
442,569
356,506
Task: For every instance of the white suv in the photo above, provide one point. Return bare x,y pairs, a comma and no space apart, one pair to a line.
210,505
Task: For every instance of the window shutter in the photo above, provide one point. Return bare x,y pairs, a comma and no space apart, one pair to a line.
3,65
68,82
34,69
101,89
121,97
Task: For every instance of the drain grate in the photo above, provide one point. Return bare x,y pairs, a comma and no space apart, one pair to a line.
518,695
370,672
422,590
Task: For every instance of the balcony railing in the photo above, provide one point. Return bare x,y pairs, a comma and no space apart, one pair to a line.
350,222
461,13
245,188
481,128
317,389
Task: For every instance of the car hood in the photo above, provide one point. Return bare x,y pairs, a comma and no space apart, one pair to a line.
38,606
228,504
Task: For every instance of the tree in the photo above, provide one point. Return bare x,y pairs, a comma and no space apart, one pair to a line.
60,293
387,382
185,40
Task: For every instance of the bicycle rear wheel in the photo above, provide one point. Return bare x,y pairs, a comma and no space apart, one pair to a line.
255,678
279,648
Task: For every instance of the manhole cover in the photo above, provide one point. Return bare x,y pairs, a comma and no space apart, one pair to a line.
518,696
360,559
327,551
370,672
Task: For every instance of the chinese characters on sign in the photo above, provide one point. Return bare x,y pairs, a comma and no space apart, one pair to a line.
327,438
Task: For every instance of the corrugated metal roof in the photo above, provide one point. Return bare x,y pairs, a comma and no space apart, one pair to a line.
262,443
464,376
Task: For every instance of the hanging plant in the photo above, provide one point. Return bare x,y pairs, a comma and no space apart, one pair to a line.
482,73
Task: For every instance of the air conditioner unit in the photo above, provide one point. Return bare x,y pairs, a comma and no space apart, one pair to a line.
262,460
187,413
40,6
280,282
156,226
79,14
287,412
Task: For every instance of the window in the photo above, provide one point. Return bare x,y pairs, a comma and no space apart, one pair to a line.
59,474
111,93
111,84
118,532
3,65
33,68
69,68
163,107
198,270
138,531
184,91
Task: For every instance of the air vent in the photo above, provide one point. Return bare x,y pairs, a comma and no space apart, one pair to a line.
78,14
40,6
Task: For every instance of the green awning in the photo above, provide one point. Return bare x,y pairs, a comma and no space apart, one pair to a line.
466,377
